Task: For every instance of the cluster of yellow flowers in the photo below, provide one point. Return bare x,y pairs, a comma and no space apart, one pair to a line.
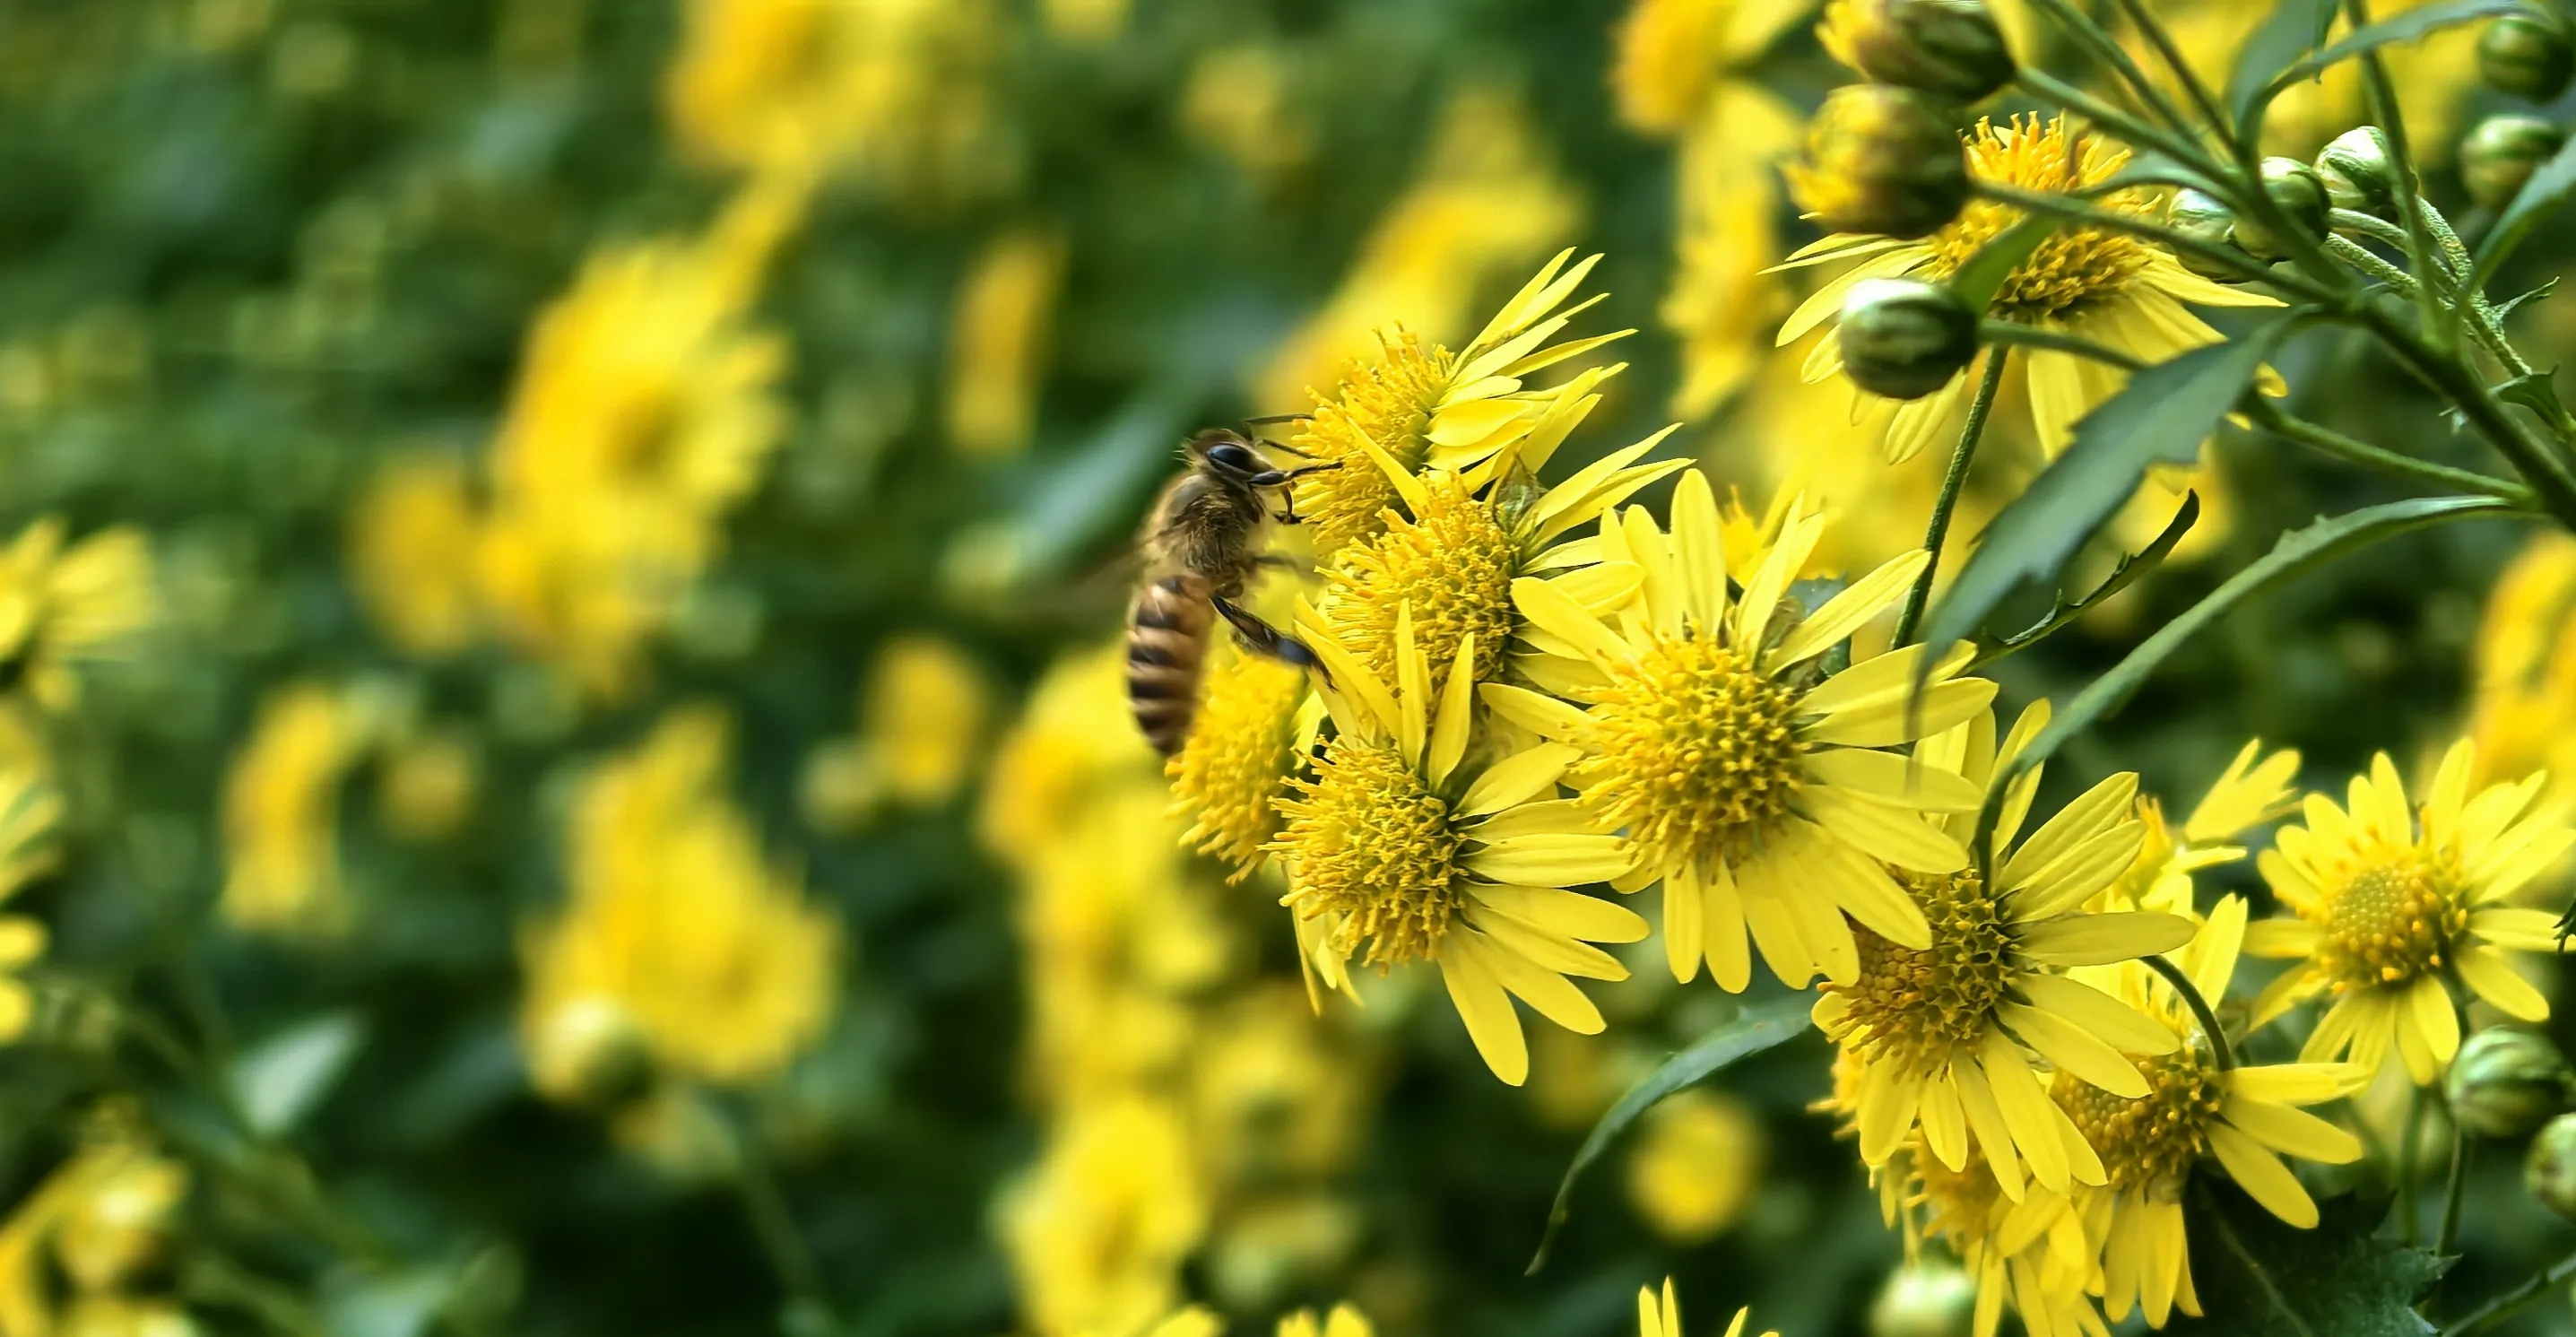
1528,690
1194,1108
87,1252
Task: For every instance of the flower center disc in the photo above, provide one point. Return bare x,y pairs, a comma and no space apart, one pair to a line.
1915,1008
1375,847
1454,565
2074,265
2148,1144
1698,750
2391,921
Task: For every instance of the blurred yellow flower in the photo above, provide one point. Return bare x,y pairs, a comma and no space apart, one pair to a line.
1485,205
2433,74
61,607
29,811
997,340
677,925
890,93
1099,1227
645,410
102,1222
2106,287
2393,902
407,534
281,812
2522,708
1661,1316
1238,101
1677,56
1696,1165
1343,1321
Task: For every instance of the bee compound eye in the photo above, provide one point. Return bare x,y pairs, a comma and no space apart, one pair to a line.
1228,455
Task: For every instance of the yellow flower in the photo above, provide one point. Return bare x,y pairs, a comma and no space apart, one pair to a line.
1663,1317
1457,553
2253,790
1749,784
1946,1033
1696,1165
2390,901
676,923
998,341
645,409
63,607
405,536
1675,56
1485,207
1239,101
102,1220
1344,1321
1234,766
2107,287
894,94
2194,1110
1414,408
1098,1229
2523,702
923,719
29,810
281,812
2032,1253
1396,853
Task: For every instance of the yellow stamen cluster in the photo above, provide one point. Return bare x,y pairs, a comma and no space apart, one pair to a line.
1914,1007
2391,921
2075,265
1375,848
1453,565
1384,401
2150,1144
1698,750
1237,754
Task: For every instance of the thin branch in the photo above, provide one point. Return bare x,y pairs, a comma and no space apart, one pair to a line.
2199,1006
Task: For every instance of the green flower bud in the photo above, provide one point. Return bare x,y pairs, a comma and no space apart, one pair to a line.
1927,1298
2507,1081
2550,1170
1948,48
2203,218
2297,192
2502,153
2527,55
1882,160
1903,338
2357,174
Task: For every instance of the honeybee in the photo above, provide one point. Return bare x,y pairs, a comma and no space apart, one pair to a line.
1201,541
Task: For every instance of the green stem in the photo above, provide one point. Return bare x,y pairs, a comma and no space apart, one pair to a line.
2548,476
773,1224
2410,183
2409,1228
2359,257
2235,261
1952,482
2049,88
2172,56
2107,49
2455,1191
2200,1009
2331,442
2501,1307
2369,225
2017,335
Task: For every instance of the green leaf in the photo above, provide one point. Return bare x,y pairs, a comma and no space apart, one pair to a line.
2406,27
2298,552
286,1076
1977,281
2539,197
1751,1031
2161,417
2295,28
2506,307
2122,576
2258,1276
2147,167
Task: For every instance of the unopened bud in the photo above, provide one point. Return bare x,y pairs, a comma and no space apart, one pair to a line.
2550,1170
2295,190
2502,153
1882,160
1928,1298
1904,338
2356,172
2207,219
2506,1082
1949,48
2527,55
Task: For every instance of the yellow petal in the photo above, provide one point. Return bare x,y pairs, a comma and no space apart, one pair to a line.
2490,977
1862,600
2290,1131
1568,914
2262,1176
1487,1012
2099,940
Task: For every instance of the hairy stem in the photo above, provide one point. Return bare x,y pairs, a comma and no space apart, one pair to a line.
2331,442
2501,1307
1951,483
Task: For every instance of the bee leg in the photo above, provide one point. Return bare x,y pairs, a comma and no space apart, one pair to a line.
1281,478
1263,639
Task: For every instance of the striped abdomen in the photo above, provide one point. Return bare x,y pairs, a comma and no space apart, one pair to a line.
1167,635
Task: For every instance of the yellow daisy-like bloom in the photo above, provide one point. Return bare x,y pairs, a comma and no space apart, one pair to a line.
2253,790
1396,853
1455,560
1228,775
2389,905
63,606
998,341
417,514
281,812
1344,1321
1946,1032
29,810
1752,786
1412,408
2522,711
2194,1110
2032,1252
1676,56
1662,1316
81,1244
2107,287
